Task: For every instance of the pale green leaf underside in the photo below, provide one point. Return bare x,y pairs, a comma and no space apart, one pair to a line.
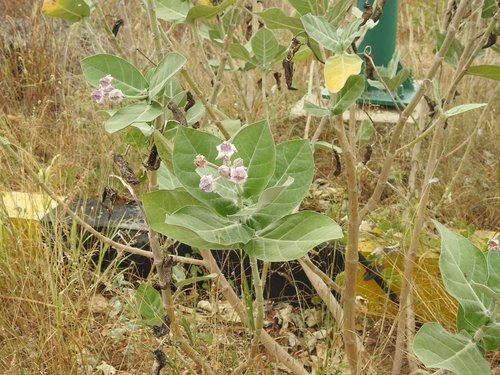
139,112
437,348
292,236
210,226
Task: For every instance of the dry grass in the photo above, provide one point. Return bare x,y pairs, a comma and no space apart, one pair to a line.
47,324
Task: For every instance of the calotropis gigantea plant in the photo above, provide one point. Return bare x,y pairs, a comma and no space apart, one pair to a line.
472,277
250,209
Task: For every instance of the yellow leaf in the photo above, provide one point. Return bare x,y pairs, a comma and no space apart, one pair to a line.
339,68
205,2
71,10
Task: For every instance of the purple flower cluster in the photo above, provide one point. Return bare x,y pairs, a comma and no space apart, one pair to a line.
234,171
107,91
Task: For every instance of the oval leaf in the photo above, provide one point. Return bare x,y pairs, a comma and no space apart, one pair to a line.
463,108
210,226
70,10
139,112
322,32
437,348
255,145
486,71
126,76
293,159
206,11
171,10
265,46
292,236
165,70
339,68
274,18
160,203
348,95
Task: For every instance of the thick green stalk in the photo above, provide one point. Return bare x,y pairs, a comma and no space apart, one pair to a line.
259,299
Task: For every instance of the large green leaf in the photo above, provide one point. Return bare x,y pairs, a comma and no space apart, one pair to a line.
461,263
348,95
293,159
274,18
305,6
206,11
322,32
126,76
139,112
189,143
210,226
149,302
172,10
166,179
485,71
255,146
437,348
165,70
70,10
265,46
292,236
160,203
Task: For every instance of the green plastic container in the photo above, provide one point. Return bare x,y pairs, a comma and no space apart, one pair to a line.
382,38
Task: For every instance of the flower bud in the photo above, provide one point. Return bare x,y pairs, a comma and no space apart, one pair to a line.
238,162
200,161
224,170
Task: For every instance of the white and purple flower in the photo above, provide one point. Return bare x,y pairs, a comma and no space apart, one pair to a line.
107,91
234,171
226,150
238,175
116,95
207,183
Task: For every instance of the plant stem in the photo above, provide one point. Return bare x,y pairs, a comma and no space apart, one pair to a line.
259,299
265,103
155,28
351,256
228,39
